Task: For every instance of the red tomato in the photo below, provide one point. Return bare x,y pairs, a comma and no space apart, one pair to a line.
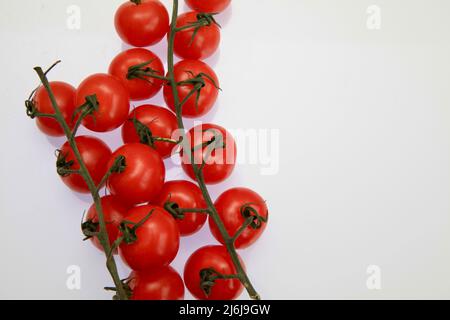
186,195
188,69
95,154
142,25
203,45
113,100
157,241
229,206
113,212
65,98
161,122
211,6
157,284
220,162
143,177
217,258
138,89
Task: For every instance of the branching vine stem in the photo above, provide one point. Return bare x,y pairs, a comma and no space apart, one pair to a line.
94,190
229,240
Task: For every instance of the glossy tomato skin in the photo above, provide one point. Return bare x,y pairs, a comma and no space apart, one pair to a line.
162,283
113,212
157,242
143,177
113,99
217,258
65,98
186,195
202,46
138,89
95,154
229,206
210,6
188,69
142,25
220,164
161,122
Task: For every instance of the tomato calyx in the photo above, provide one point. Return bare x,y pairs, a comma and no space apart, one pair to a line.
208,279
86,109
63,166
203,20
144,72
198,82
136,2
146,136
179,213
126,286
89,229
252,216
129,235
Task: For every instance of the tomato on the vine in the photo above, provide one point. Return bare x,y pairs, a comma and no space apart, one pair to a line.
142,23
201,101
139,87
161,122
193,43
157,241
143,177
113,102
214,146
186,195
113,213
211,6
214,258
65,99
95,154
234,207
156,284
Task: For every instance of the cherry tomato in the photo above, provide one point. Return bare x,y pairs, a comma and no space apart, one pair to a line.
113,102
218,259
156,284
220,161
211,6
65,98
157,241
186,70
202,45
161,122
95,154
143,24
186,195
143,177
113,212
231,206
139,89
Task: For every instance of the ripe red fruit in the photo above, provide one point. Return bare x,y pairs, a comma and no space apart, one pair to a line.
186,195
161,122
232,207
217,258
65,98
139,89
157,241
113,102
156,284
211,6
142,24
202,45
187,70
219,155
95,154
113,213
143,177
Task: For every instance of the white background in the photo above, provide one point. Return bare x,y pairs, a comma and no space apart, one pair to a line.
363,158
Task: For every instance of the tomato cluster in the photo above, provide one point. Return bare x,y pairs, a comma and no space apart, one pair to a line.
146,215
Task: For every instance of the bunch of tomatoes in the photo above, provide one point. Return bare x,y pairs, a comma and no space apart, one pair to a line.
146,213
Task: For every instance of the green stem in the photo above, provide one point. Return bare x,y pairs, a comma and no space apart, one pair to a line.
102,235
229,243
